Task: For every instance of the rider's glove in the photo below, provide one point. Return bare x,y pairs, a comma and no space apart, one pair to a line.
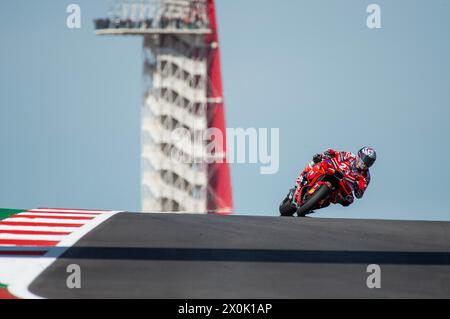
317,158
328,153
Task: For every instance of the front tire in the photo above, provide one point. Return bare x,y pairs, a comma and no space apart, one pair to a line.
312,202
287,208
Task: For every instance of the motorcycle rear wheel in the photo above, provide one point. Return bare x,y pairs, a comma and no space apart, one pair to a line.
312,202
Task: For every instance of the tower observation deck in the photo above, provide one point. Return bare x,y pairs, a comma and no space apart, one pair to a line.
182,100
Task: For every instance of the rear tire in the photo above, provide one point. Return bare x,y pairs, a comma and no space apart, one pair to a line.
312,202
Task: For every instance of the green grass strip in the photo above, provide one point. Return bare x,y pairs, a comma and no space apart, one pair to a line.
2,286
5,213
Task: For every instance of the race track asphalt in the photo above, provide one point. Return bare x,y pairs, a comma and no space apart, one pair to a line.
210,256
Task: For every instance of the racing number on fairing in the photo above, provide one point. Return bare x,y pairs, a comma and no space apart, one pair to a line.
343,166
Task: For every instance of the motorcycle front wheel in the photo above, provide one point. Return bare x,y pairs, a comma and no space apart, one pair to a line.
312,202
287,208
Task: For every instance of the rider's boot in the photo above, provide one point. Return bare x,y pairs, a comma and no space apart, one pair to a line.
346,201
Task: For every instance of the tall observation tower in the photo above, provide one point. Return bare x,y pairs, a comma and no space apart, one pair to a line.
182,100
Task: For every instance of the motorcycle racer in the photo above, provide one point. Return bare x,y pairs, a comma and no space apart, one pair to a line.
357,174
354,170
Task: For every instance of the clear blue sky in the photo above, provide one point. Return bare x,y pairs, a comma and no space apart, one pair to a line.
70,102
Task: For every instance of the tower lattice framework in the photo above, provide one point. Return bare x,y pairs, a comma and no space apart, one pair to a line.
182,99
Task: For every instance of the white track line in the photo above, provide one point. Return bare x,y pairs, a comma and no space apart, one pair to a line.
65,211
38,228
19,287
45,220
55,214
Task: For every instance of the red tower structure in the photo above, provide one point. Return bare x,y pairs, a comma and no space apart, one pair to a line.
219,179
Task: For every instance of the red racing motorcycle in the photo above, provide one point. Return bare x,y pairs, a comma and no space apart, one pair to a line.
321,185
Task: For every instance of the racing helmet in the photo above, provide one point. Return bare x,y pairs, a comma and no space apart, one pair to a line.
366,157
